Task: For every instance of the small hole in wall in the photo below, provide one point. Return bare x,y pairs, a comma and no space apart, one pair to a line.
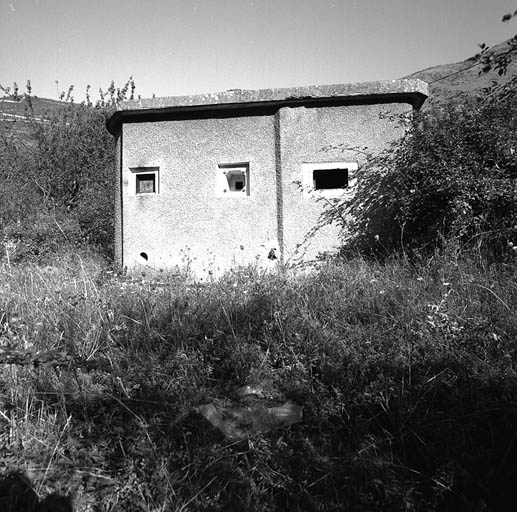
143,255
272,255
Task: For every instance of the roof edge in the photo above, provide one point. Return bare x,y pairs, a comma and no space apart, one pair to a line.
412,91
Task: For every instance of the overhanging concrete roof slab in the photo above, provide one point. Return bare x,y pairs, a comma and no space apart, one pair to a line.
412,91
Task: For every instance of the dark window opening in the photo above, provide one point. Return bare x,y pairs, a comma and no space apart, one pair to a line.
146,183
233,179
325,179
236,180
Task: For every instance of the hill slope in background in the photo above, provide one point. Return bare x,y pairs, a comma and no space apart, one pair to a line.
450,80
445,81
16,113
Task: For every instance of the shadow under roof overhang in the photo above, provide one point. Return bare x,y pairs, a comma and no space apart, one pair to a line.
236,103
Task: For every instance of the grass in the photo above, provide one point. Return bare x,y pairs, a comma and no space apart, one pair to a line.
406,374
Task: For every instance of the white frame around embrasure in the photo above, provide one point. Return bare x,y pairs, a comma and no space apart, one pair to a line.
308,169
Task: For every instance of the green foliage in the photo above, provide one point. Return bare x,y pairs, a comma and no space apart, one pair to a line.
450,182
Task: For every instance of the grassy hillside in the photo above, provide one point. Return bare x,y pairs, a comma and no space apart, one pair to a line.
14,115
447,80
450,80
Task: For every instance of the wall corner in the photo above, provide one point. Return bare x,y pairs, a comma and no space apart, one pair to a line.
279,184
118,206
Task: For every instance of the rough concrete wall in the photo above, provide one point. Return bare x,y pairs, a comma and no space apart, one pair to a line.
185,223
118,199
304,137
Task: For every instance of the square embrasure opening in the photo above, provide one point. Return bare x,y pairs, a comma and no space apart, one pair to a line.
146,180
233,180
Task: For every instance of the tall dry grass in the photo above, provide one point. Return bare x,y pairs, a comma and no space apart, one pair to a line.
406,374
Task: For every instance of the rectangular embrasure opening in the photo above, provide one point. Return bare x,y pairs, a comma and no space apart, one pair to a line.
326,179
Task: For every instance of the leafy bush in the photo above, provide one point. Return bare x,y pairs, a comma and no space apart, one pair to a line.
63,173
450,182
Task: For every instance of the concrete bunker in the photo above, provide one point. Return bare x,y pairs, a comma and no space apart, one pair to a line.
212,176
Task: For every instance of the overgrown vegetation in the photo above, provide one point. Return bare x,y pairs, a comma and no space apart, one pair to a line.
57,185
449,184
405,364
406,375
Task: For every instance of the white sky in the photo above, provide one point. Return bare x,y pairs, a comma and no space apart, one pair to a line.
176,47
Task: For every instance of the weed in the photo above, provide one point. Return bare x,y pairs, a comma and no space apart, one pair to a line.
406,374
